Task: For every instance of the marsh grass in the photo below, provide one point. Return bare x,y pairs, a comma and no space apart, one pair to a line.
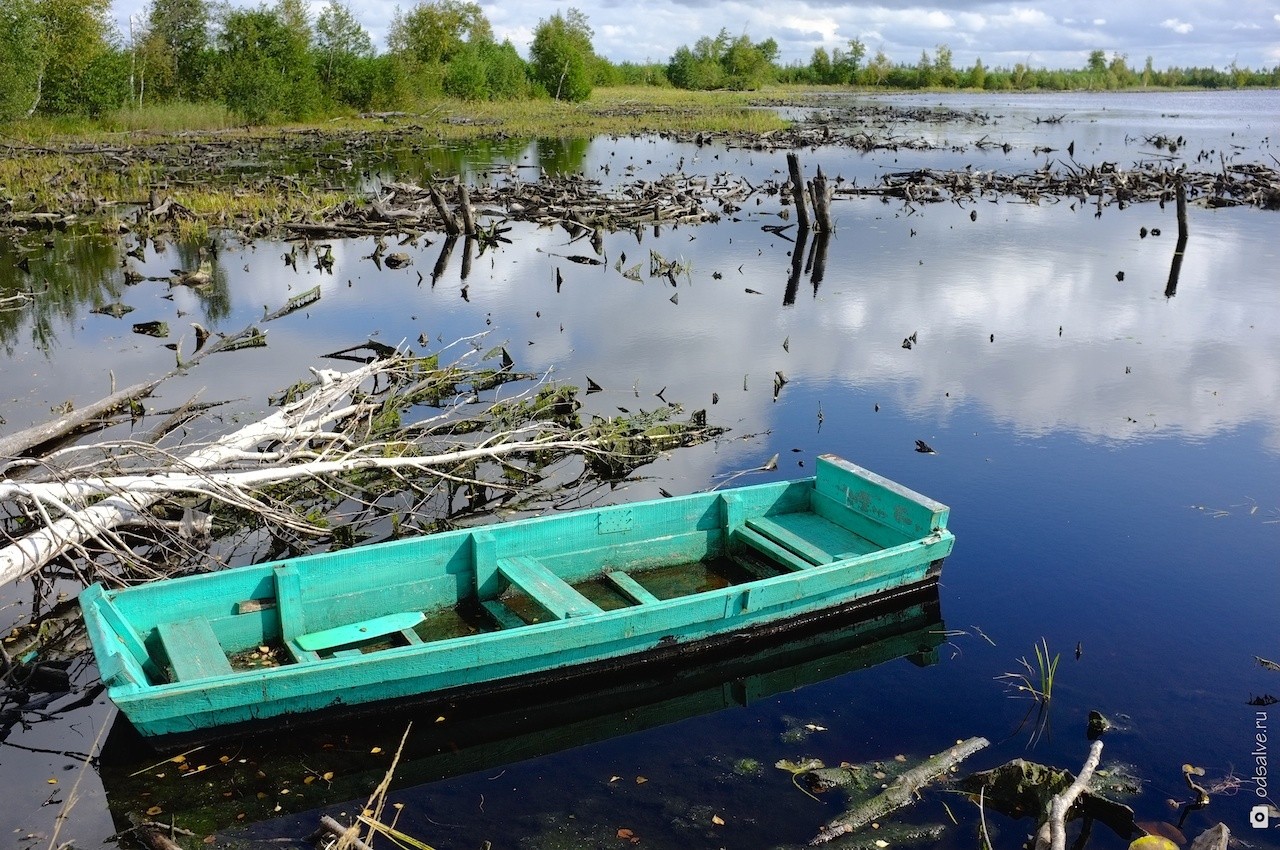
87,166
169,118
1035,680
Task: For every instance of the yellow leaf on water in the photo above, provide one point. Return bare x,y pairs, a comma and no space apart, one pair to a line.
376,750
153,811
440,719
717,820
328,775
640,780
614,778
225,759
178,759
308,780
397,805
899,758
53,781
880,842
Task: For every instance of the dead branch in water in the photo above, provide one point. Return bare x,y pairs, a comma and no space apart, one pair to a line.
901,791
338,457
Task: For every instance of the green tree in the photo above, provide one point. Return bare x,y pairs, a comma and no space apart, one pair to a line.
266,72
344,56
1118,73
433,33
977,74
561,55
944,72
820,65
748,65
878,69
74,35
925,73
22,58
173,51
844,64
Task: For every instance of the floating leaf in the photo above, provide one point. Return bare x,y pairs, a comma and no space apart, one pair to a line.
52,781
328,776
640,780
717,820
308,780
153,811
880,842
376,750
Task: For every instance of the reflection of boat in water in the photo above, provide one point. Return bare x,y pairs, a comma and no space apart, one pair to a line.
257,777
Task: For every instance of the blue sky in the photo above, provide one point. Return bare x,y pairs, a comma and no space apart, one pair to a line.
1041,33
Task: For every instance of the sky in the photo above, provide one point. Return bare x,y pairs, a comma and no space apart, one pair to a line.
1039,33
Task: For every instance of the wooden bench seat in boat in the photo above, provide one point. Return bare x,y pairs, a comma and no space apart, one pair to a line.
193,649
801,540
544,587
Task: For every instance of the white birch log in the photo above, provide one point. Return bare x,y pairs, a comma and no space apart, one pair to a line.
23,557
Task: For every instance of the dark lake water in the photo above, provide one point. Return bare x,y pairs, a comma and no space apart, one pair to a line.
1110,454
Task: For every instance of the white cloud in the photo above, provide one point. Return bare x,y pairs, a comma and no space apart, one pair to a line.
1099,22
1180,27
1243,26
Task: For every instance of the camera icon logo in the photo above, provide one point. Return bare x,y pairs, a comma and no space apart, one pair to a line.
1260,817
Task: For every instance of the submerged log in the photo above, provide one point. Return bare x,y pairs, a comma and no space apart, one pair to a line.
901,791
21,442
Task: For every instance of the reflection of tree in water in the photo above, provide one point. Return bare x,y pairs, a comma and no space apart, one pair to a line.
72,274
562,156
68,274
215,299
473,158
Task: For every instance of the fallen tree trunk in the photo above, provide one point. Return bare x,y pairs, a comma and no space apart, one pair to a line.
28,554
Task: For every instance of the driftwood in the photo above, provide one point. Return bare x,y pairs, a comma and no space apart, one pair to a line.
1053,832
901,792
21,442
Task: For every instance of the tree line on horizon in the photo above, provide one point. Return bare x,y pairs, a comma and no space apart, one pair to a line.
274,62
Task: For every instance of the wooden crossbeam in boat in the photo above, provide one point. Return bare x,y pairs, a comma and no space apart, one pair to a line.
364,630
501,614
792,541
546,588
780,554
629,587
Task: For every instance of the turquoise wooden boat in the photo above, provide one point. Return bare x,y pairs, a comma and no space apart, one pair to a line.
509,605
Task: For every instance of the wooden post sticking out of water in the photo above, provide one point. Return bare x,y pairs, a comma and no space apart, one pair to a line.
1175,268
464,209
821,201
797,191
1182,211
818,193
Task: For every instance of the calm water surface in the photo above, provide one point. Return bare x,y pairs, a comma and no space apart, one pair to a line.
1111,456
